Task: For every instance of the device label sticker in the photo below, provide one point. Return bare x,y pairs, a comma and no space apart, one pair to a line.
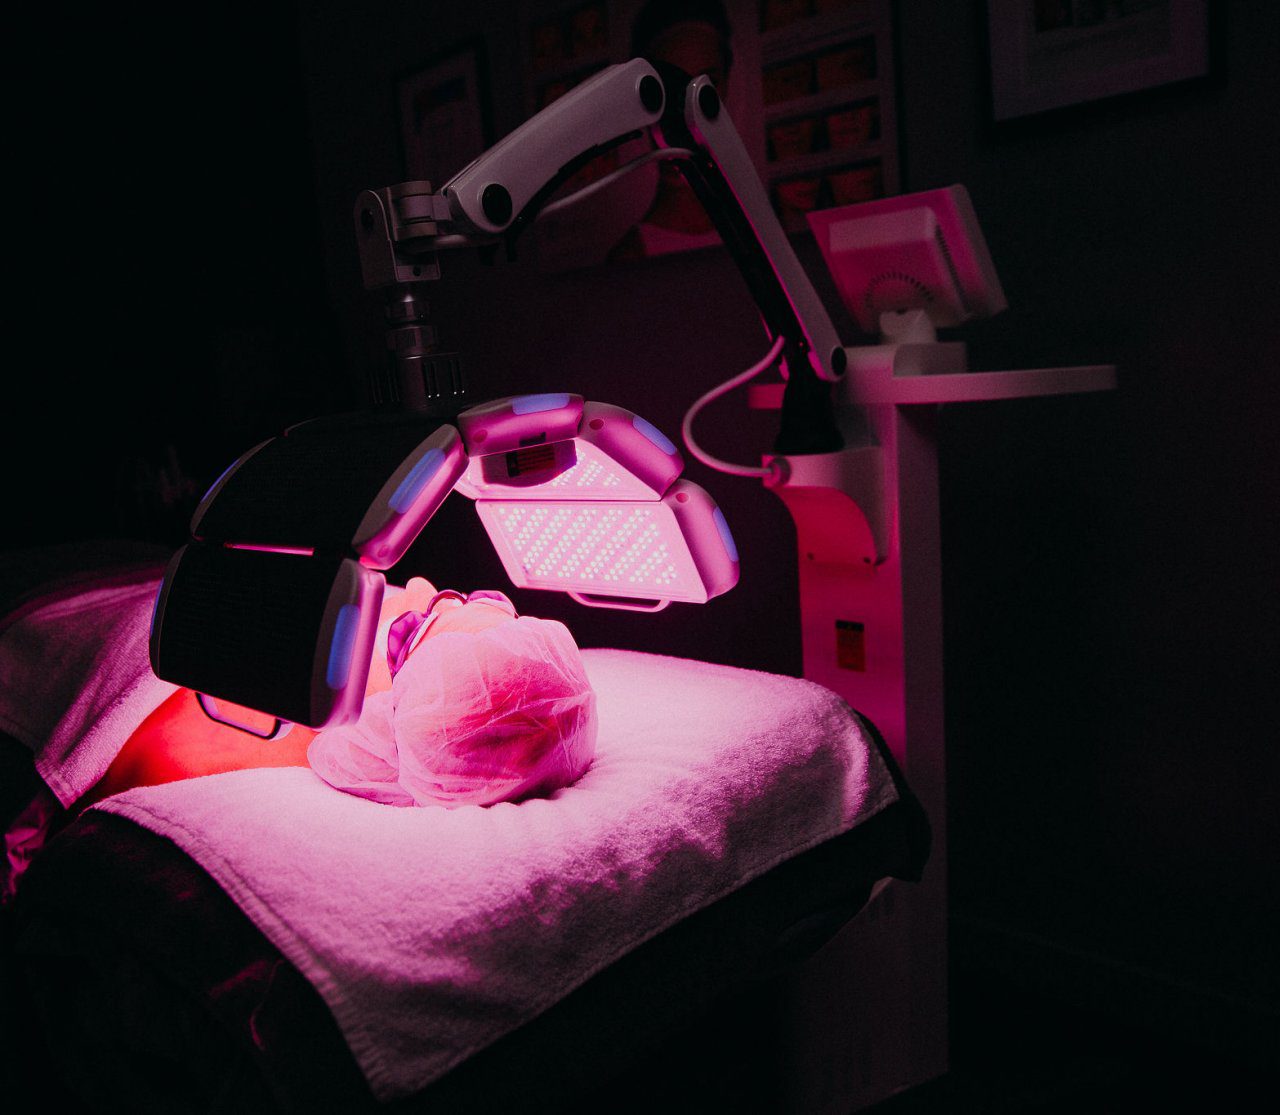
851,647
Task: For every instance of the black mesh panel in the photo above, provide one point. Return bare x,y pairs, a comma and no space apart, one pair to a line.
312,487
243,625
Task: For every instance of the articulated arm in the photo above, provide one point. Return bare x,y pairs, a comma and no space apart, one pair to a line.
723,177
287,544
500,193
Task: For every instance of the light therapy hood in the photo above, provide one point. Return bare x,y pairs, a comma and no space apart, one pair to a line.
274,604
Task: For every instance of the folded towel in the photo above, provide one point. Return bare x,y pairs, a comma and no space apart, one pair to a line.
75,681
431,933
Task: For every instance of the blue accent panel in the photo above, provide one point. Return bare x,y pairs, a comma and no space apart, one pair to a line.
344,638
419,476
532,404
654,434
725,536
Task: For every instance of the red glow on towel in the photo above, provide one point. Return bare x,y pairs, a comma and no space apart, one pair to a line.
177,741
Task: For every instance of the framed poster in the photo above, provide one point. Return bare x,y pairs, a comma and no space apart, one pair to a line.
1052,54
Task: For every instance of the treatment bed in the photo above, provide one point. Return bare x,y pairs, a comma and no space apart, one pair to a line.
134,979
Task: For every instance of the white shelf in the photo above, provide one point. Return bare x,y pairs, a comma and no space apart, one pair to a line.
916,375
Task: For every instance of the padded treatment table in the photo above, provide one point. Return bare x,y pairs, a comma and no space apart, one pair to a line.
132,980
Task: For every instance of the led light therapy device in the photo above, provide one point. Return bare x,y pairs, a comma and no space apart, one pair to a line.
274,604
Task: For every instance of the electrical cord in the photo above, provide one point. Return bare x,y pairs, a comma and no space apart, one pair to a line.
613,176
686,427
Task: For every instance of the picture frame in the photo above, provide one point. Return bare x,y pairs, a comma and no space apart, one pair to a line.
1047,56
445,113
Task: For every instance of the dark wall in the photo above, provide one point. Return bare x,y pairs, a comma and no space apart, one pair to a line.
171,308
1111,564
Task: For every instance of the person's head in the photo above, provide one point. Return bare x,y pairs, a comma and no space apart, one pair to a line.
693,35
487,706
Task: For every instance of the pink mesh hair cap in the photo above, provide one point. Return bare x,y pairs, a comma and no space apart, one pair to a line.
493,715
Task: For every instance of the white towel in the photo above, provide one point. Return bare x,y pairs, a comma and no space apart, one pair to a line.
431,933
75,682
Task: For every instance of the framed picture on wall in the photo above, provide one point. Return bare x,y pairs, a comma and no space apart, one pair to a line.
445,119
1052,54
